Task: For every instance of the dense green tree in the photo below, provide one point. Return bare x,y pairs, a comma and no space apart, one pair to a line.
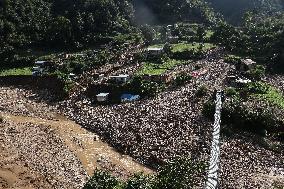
170,11
233,10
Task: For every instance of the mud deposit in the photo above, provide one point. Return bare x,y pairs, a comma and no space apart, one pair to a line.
45,150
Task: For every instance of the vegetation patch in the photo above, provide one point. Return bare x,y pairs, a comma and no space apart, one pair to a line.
16,71
182,78
151,68
144,87
232,59
202,91
208,34
180,47
259,111
268,93
181,173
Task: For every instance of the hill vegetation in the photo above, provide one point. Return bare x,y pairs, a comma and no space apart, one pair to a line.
169,11
233,11
42,25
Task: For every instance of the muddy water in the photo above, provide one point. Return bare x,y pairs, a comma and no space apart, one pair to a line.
90,150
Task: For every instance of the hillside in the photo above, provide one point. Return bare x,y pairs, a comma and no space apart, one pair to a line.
233,11
168,11
141,94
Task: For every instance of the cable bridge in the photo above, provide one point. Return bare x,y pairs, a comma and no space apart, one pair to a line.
212,178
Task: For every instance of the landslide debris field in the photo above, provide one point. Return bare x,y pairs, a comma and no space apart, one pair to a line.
42,149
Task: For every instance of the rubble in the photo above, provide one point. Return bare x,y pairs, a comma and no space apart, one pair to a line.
169,125
44,153
153,130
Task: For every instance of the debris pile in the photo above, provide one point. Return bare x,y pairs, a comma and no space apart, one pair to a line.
43,152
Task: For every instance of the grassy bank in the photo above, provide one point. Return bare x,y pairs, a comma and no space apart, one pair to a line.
151,68
16,71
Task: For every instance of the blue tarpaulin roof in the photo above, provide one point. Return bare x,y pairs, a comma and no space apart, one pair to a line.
129,97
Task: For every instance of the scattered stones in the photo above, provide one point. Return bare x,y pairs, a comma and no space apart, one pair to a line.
152,131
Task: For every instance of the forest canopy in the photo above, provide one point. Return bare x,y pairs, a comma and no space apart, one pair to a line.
73,24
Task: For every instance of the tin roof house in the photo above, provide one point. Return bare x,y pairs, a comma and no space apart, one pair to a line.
155,52
40,67
41,63
102,97
129,98
121,78
247,64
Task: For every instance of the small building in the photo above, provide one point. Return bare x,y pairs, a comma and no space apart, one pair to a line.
247,64
101,76
67,56
242,82
41,63
102,97
173,39
72,76
37,71
122,78
155,52
40,67
231,79
129,98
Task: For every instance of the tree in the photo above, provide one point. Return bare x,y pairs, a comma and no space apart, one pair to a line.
60,31
201,32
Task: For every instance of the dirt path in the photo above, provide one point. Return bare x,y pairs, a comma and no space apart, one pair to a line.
91,151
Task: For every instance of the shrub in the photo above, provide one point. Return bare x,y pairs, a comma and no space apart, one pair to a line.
144,87
202,91
244,93
230,91
179,174
140,181
209,109
232,59
258,88
168,49
182,79
257,73
101,180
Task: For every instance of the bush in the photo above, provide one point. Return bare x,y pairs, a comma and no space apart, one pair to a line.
144,87
257,73
140,181
258,88
230,91
182,79
202,91
101,180
168,49
209,109
179,174
232,59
